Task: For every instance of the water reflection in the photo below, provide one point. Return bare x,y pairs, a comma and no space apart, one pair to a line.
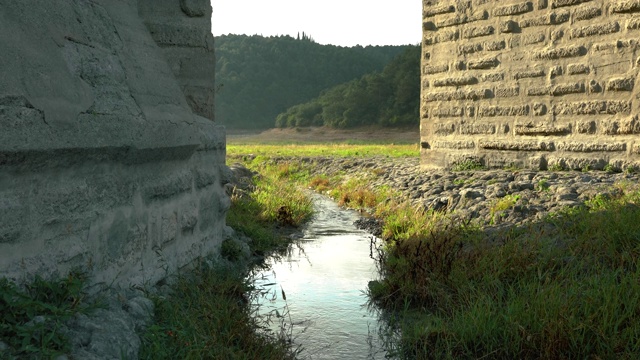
324,283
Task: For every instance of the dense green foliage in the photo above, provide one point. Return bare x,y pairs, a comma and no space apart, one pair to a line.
387,98
209,315
31,317
560,289
259,77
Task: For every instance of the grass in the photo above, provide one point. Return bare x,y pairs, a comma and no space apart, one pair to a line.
505,203
32,316
332,150
566,287
211,312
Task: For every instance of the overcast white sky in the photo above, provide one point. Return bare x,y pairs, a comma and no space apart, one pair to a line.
337,22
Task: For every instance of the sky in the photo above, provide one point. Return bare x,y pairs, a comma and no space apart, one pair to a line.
337,22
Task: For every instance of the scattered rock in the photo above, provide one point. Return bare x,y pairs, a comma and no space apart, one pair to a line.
472,194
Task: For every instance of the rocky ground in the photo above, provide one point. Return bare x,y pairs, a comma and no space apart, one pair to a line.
491,198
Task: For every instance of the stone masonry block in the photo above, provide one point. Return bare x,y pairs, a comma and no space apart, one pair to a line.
539,109
559,17
455,81
495,45
633,24
575,69
458,19
622,127
560,52
516,145
447,112
444,128
621,84
591,147
449,35
594,30
477,129
628,6
168,187
495,110
435,69
586,13
577,163
469,48
594,87
508,26
195,8
437,10
561,3
592,107
538,91
483,64
555,71
586,127
556,35
457,95
429,26
516,9
507,91
178,35
530,39
478,31
457,145
492,77
528,73
530,128
553,18
541,20
566,89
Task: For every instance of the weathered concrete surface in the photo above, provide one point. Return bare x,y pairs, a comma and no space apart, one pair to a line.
538,84
103,164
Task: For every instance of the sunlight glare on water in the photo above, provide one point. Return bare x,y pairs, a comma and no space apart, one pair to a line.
324,283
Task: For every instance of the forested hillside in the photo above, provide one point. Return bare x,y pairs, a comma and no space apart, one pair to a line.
260,77
387,98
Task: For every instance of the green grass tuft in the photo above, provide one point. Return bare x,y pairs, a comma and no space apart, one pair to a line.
32,316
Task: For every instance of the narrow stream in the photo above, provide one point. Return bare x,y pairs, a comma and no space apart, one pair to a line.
324,283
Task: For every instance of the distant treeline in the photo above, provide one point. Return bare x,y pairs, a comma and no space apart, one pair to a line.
260,77
388,98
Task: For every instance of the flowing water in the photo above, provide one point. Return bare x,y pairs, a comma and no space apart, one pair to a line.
318,291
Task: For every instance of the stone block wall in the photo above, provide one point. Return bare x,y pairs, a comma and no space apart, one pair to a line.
104,166
538,84
182,30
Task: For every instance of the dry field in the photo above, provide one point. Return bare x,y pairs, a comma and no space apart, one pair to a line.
325,135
